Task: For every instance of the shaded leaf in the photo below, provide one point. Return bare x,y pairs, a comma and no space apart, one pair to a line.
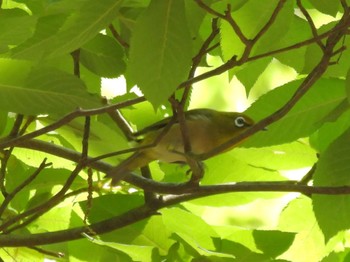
137,253
299,31
332,211
326,6
16,26
270,40
250,24
160,50
181,222
46,90
54,39
103,56
330,131
40,43
273,242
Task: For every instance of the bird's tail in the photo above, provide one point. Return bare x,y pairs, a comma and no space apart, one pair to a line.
137,160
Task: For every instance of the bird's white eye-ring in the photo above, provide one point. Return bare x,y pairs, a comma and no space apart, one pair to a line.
240,121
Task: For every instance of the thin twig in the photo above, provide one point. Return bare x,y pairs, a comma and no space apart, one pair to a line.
308,177
47,252
227,17
16,126
6,154
42,208
29,120
149,196
315,74
8,142
269,23
142,212
233,61
198,58
124,126
26,182
85,140
117,36
89,196
311,24
76,62
159,137
344,5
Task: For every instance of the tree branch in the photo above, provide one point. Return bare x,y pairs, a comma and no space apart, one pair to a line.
142,212
117,36
232,62
8,142
311,23
26,182
337,33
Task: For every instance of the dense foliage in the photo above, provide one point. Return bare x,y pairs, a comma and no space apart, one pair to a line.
68,71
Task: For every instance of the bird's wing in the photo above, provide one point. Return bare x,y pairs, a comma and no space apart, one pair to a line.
193,114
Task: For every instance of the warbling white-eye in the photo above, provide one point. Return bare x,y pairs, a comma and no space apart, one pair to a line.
207,129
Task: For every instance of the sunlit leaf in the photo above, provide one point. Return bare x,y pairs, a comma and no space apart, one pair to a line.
305,116
327,7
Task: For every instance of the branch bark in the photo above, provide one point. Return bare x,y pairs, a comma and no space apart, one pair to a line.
146,211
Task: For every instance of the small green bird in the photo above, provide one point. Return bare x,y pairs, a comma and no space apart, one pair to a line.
207,129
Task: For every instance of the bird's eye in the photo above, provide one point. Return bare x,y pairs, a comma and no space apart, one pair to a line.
240,121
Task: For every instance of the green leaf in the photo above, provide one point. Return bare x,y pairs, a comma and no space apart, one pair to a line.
299,30
326,6
227,168
329,132
40,43
137,253
53,220
314,53
46,90
305,116
273,242
251,72
239,252
111,205
16,26
347,85
83,250
3,121
270,40
332,211
230,43
340,68
221,6
16,173
160,50
308,244
82,25
181,222
9,254
103,56
250,19
281,157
